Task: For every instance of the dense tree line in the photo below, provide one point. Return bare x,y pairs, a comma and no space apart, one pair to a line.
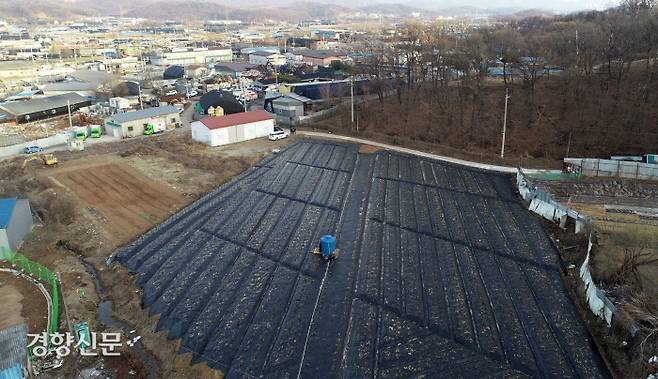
583,82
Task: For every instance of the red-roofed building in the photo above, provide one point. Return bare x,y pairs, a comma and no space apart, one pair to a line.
233,128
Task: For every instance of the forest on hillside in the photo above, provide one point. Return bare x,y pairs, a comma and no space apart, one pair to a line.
579,85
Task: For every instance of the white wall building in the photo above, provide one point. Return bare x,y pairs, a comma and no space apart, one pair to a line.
265,57
187,56
237,127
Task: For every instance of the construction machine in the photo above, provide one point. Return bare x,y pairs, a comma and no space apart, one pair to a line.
46,159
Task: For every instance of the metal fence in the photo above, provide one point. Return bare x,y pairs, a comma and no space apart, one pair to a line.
598,303
541,203
39,272
614,168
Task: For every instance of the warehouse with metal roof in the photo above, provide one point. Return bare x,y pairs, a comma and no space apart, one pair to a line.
131,124
233,128
43,107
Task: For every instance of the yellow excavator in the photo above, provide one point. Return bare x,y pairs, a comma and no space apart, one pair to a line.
46,159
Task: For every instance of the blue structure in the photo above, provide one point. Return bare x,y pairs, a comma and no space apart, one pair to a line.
15,221
328,246
13,372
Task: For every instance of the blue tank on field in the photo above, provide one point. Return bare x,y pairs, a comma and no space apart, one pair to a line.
328,246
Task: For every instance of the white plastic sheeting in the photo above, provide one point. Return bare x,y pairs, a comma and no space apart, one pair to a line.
597,301
542,204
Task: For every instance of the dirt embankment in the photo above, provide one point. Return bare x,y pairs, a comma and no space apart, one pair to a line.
99,199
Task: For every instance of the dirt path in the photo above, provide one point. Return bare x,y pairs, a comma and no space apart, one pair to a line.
486,166
22,302
128,201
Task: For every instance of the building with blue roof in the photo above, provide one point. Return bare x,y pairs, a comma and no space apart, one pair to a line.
15,221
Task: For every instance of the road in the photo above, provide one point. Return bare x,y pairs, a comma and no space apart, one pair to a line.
485,166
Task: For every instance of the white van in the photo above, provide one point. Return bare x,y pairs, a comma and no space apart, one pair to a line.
278,134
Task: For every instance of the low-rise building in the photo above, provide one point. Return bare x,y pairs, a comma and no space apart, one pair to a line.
320,57
238,127
186,56
15,221
265,57
288,109
131,124
236,69
43,107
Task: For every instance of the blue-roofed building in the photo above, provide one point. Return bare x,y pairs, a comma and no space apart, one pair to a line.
15,221
13,352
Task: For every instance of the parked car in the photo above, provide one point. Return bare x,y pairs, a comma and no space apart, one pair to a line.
278,134
32,149
192,93
171,93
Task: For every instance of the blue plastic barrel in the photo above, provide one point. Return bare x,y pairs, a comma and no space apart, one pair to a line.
328,245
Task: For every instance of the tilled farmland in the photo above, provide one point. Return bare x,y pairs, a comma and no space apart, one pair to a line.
441,273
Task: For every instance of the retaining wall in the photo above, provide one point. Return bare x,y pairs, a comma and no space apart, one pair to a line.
56,140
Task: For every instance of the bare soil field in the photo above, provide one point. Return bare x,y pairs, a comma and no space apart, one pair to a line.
97,200
619,234
125,201
21,301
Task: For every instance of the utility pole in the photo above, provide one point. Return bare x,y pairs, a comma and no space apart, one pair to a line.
502,146
276,78
68,105
244,94
139,89
352,97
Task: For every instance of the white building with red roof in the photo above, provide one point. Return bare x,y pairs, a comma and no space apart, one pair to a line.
233,128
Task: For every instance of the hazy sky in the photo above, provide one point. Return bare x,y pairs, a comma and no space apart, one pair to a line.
556,5
561,5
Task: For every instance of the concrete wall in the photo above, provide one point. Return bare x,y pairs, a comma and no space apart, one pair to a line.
20,224
56,140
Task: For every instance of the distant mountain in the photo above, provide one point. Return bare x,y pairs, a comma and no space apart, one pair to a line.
527,13
212,10
261,10
38,9
390,8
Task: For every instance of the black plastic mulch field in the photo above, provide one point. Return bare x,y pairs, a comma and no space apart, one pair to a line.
441,273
